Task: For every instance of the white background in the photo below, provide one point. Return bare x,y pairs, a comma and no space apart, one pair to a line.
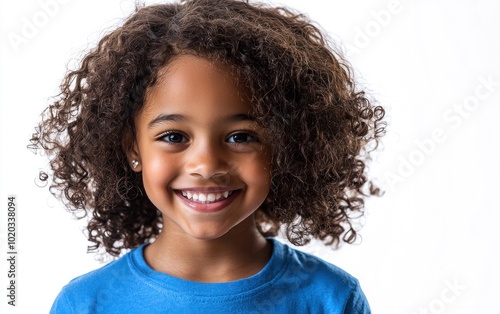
430,245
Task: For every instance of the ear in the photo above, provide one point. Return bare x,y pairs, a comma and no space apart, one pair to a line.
130,147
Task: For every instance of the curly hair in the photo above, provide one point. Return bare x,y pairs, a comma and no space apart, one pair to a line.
303,92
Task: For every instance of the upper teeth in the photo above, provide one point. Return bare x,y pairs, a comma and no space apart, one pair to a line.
205,197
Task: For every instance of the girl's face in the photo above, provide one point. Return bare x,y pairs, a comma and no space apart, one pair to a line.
203,158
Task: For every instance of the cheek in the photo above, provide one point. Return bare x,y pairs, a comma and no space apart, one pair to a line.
258,176
158,171
157,176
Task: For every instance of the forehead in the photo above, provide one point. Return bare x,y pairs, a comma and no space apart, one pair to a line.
194,85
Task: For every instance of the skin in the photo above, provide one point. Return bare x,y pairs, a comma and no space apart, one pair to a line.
196,134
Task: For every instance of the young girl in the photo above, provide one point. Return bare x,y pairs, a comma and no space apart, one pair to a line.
191,136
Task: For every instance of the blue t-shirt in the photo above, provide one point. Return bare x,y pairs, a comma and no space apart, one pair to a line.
291,282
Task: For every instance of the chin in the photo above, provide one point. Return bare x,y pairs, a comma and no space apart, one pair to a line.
206,234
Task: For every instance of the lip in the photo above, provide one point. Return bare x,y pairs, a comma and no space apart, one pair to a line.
209,207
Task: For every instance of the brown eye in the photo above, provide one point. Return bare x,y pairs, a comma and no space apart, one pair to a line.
174,138
242,137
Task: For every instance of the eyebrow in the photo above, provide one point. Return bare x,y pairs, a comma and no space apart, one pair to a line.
162,118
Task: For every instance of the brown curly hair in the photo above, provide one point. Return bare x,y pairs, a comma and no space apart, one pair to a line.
302,90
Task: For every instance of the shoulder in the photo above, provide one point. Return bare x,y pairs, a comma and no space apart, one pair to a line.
95,285
313,268
103,276
307,274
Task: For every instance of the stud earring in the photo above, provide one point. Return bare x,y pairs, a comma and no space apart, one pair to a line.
135,163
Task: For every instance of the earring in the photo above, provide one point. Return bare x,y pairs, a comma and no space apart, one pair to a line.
135,163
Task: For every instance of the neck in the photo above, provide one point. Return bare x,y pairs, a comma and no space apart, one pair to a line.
240,253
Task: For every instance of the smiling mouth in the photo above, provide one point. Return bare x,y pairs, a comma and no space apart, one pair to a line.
206,198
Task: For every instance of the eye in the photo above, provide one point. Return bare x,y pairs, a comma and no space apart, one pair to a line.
173,137
242,137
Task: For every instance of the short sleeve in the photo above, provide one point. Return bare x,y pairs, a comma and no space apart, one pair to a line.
357,302
61,305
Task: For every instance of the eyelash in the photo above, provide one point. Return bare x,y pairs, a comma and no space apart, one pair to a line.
251,135
247,134
163,137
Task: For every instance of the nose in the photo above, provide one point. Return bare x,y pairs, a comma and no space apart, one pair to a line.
207,160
